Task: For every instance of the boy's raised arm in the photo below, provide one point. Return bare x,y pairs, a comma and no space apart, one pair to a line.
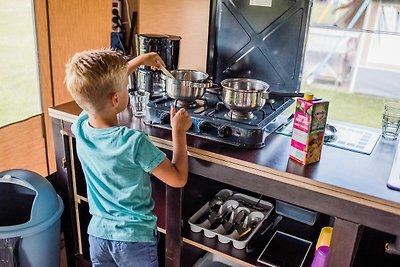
149,59
175,173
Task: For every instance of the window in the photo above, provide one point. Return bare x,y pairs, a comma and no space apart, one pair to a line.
20,98
352,58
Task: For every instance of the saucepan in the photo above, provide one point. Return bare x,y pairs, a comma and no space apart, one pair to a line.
244,94
186,85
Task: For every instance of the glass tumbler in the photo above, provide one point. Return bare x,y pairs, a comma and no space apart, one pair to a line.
391,120
139,101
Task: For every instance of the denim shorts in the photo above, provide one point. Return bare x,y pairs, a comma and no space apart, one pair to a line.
107,253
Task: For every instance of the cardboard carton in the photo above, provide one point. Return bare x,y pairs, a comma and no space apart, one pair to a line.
308,129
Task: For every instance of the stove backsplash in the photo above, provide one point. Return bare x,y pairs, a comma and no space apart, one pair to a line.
262,39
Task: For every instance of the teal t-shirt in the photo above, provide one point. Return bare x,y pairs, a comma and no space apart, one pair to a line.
116,162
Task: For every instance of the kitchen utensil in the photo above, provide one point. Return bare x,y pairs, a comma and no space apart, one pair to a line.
214,207
243,94
229,226
252,206
250,223
214,222
129,48
256,240
188,85
245,232
166,72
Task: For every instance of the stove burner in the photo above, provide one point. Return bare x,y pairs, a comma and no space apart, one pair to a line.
185,104
197,106
239,115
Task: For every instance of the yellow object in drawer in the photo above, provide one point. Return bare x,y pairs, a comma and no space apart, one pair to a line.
324,238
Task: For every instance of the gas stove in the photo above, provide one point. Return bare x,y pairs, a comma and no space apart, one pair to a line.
213,121
246,39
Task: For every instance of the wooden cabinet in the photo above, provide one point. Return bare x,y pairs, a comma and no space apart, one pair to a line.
359,219
71,182
180,205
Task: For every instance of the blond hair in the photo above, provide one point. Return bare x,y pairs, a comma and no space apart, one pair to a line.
92,76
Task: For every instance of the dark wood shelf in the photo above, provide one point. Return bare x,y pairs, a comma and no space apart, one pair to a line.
199,190
190,254
371,251
287,225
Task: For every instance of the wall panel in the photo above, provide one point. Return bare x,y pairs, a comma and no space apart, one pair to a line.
75,25
63,28
186,18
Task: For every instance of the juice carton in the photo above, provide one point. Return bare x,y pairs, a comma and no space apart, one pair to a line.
308,129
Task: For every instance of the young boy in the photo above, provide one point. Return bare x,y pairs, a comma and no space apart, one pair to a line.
117,160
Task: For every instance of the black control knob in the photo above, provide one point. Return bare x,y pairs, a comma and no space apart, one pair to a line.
224,131
204,126
165,118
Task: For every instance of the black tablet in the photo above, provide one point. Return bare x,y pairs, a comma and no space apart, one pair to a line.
285,250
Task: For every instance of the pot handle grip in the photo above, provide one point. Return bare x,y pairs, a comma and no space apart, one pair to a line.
203,84
277,95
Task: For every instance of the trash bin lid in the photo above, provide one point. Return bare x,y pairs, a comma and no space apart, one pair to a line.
46,203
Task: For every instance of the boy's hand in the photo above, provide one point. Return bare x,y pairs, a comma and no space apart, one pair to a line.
149,59
180,121
152,59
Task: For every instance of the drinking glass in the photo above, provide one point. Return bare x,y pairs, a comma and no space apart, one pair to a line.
139,100
391,120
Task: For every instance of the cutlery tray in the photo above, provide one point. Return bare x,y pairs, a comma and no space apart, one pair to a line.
231,217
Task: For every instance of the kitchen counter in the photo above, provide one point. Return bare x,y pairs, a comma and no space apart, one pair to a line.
346,185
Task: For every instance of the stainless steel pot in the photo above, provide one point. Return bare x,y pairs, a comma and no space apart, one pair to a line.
188,85
243,94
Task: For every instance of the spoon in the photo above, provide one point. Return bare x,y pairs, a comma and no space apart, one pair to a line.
166,72
213,209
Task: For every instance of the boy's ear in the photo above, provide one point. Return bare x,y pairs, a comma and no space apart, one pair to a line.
114,99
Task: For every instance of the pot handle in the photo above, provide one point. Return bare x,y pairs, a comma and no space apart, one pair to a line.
203,84
277,95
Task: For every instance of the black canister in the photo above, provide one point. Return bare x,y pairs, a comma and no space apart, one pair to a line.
172,52
167,46
152,43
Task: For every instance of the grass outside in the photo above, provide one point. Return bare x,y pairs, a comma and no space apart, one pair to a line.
18,76
352,108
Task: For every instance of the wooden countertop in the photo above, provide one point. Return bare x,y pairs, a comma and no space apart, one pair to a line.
342,175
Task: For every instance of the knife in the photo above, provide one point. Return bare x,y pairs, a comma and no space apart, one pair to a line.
256,240
214,222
